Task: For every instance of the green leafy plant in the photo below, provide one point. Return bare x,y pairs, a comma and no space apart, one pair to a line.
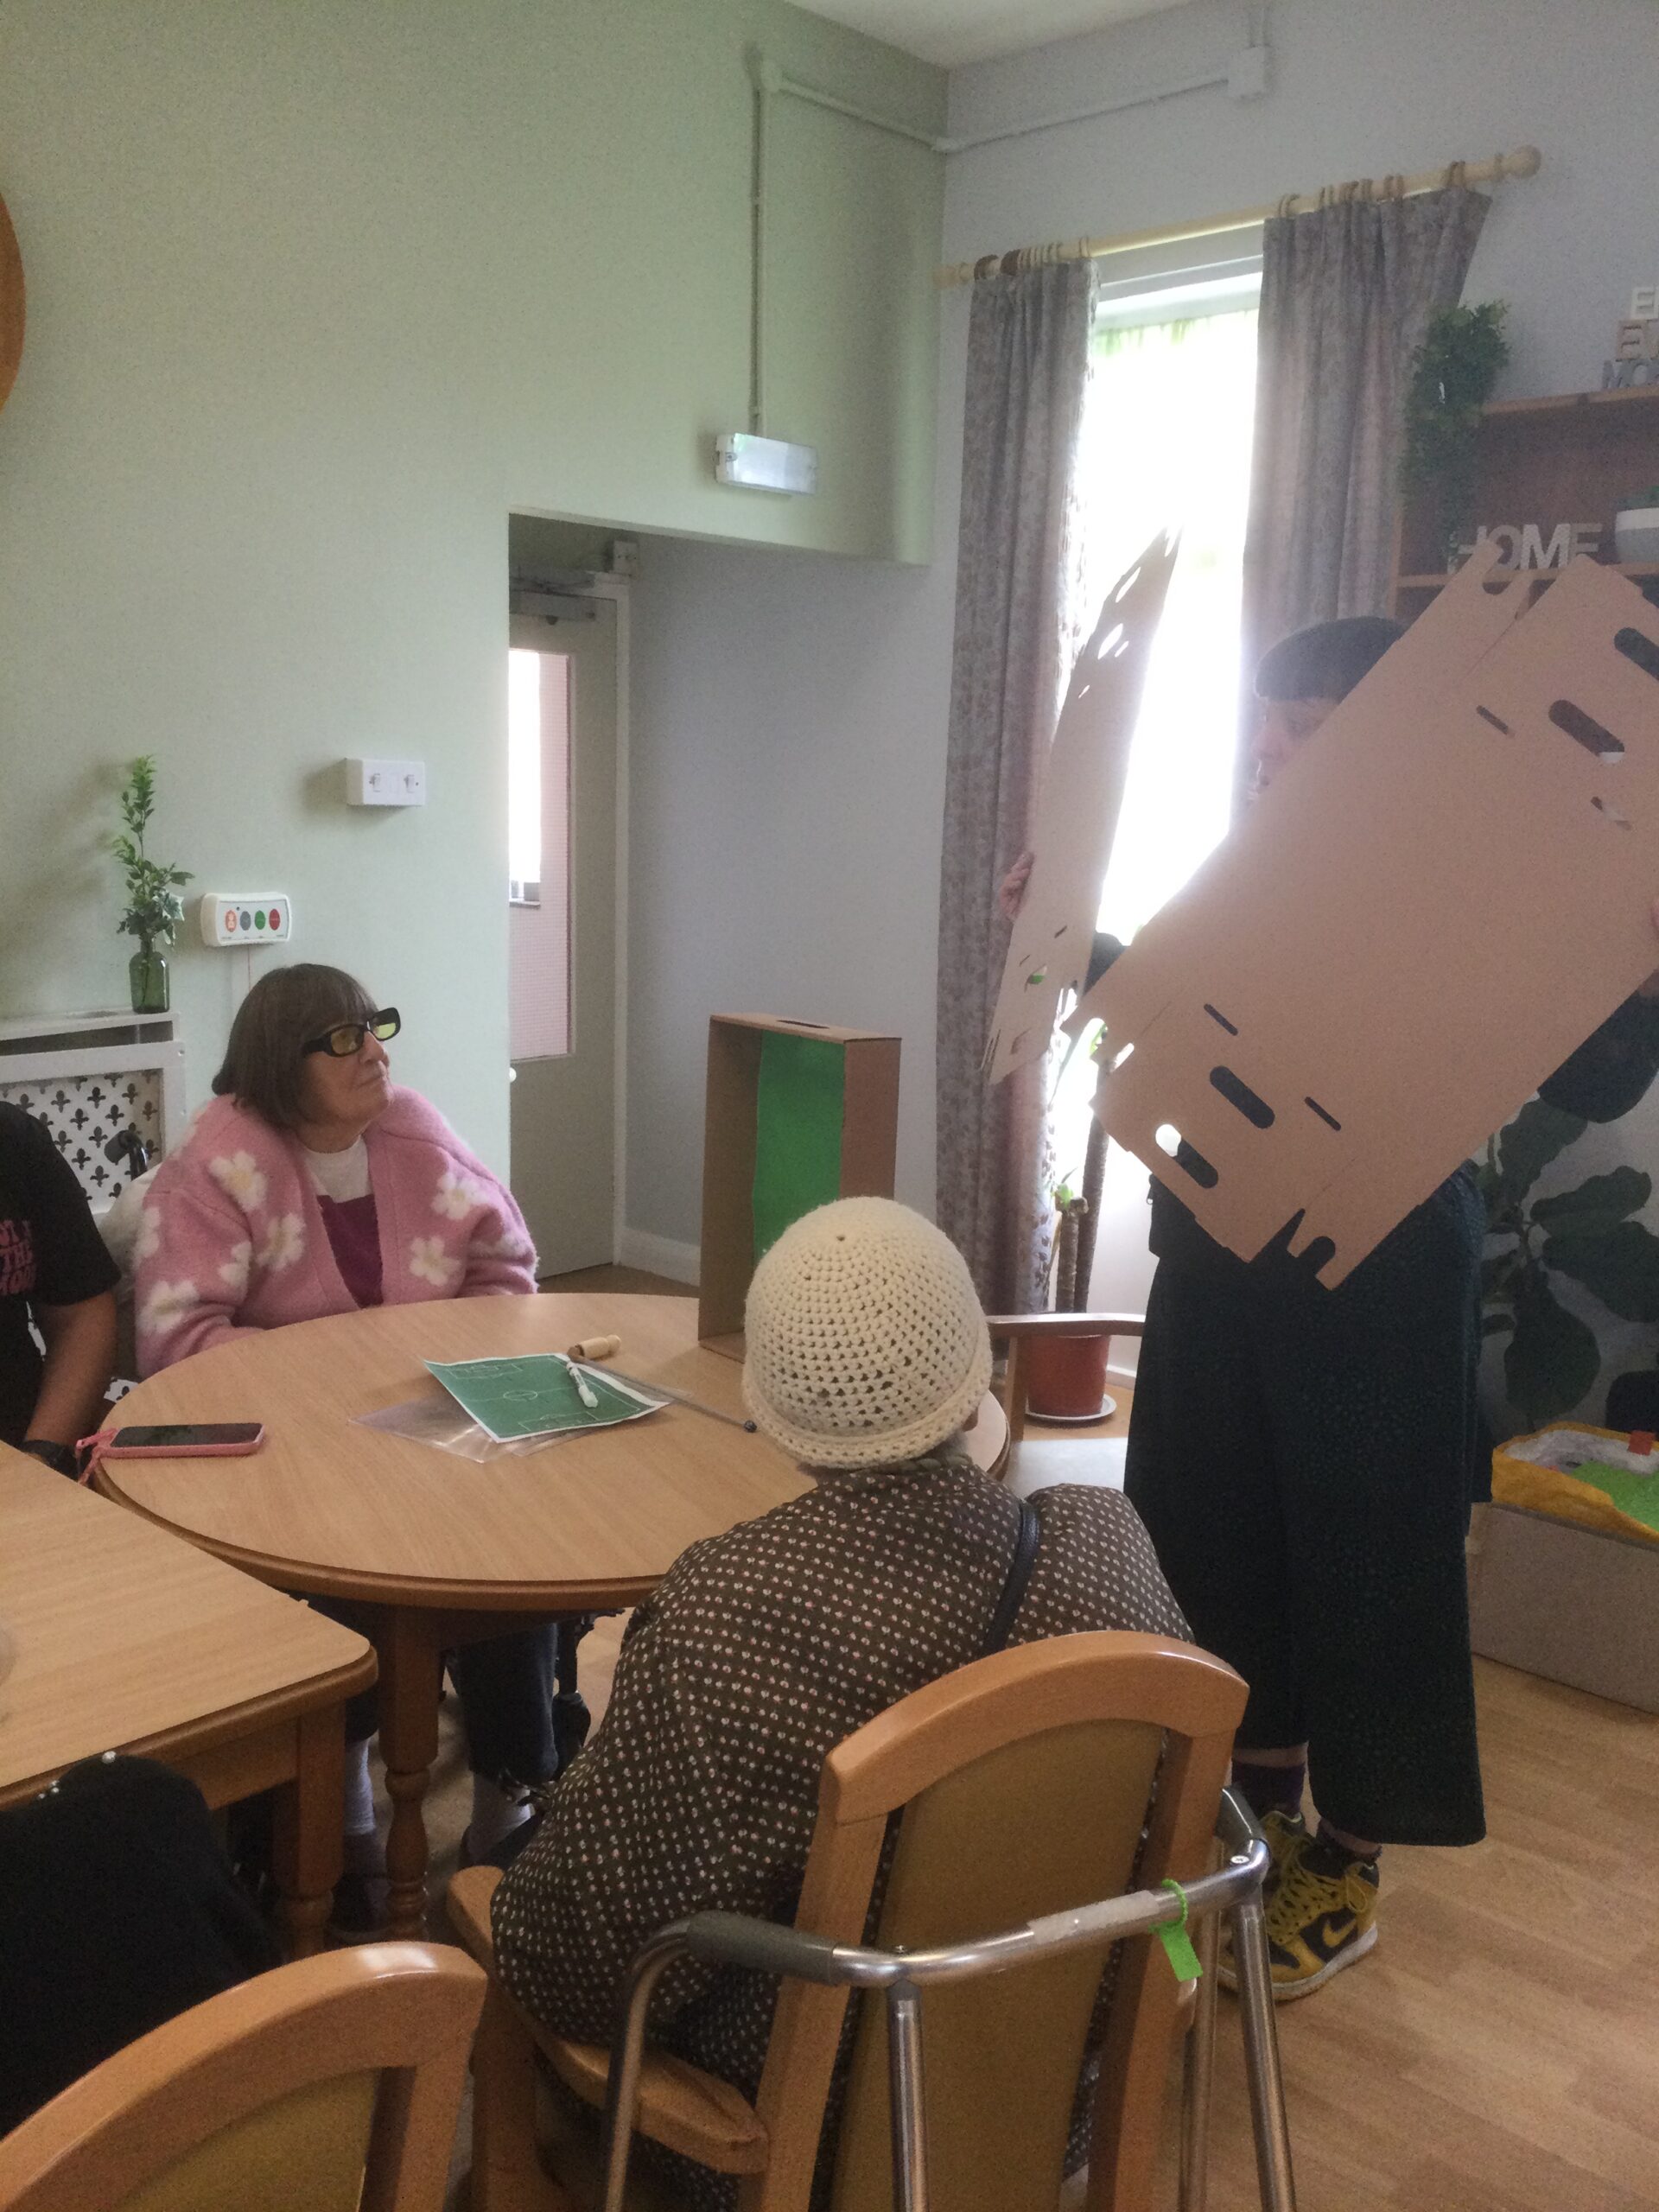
153,909
1453,374
1587,1234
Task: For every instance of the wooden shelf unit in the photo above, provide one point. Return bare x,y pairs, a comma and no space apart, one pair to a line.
1577,458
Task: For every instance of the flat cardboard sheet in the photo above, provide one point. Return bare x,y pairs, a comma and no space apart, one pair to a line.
1082,798
1439,899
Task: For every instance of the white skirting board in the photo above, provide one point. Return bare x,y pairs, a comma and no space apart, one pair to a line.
658,1256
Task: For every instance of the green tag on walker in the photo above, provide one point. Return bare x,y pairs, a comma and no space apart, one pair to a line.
1178,1944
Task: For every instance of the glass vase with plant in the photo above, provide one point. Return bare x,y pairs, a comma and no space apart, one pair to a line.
1453,374
153,909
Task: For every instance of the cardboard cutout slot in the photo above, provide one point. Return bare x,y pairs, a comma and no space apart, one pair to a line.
1584,729
1330,1120
1641,650
1498,723
1604,806
1238,1093
1230,1027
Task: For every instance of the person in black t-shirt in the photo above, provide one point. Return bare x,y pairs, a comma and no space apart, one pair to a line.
55,1272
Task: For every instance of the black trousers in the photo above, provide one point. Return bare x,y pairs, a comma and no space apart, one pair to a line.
1302,1458
118,1909
507,1688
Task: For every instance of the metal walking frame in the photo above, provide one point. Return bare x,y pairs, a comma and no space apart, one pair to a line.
762,1947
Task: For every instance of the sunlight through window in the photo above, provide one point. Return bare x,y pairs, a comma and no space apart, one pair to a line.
1166,438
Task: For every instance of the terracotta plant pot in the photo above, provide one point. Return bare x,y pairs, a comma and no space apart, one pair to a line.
1066,1376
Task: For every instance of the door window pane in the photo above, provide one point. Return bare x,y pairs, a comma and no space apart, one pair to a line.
538,854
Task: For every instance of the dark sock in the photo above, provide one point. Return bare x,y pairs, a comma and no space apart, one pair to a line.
1330,1842
1269,1789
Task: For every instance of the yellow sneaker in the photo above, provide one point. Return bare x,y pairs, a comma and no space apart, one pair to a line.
1283,1832
1321,1916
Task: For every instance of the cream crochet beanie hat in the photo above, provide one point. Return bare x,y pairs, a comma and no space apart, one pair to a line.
866,1344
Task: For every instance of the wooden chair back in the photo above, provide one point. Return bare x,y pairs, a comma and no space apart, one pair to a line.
1020,1331
334,2084
1026,1786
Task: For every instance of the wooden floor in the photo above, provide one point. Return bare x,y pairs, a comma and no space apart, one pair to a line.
1499,2049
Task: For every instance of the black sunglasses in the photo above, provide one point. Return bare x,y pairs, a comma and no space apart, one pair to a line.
348,1038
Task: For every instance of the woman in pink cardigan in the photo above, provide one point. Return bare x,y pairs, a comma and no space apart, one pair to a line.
313,1184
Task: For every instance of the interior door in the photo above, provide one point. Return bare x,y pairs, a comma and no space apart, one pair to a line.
561,930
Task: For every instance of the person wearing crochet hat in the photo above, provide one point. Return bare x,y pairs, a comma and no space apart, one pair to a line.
865,1344
762,1649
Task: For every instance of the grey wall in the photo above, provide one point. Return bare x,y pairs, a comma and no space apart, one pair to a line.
1357,90
787,781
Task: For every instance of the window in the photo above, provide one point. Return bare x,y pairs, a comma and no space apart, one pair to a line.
538,854
525,778
1166,438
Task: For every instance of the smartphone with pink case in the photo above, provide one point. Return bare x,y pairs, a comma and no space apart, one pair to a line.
221,1439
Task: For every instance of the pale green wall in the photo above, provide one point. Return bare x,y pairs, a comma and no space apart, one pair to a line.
319,290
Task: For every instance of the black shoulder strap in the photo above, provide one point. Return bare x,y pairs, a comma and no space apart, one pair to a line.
1014,1590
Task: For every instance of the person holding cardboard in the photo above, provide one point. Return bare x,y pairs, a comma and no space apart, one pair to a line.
1304,1460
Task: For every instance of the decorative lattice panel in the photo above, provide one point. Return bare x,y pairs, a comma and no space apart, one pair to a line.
86,1113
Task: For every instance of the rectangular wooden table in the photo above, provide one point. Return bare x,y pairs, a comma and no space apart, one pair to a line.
128,1639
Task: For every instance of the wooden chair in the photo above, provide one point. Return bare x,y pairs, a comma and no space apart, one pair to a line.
334,2084
1026,1780
1034,1463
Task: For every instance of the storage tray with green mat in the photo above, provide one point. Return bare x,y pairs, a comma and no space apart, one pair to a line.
798,1115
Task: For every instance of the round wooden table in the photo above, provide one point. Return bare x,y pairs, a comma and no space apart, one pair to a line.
448,1551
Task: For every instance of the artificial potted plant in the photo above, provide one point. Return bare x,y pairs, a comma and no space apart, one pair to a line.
1587,1235
153,909
1453,374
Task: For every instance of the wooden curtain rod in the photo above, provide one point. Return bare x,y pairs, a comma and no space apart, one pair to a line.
1526,161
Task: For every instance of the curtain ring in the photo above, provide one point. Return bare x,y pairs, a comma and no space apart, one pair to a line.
1287,205
1394,188
1455,177
987,266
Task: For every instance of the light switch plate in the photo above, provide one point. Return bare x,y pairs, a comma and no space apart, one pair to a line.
385,783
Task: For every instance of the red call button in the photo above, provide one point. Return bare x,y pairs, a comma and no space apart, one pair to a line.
230,918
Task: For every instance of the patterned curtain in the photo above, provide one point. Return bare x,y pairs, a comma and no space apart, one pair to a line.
1027,364
1346,294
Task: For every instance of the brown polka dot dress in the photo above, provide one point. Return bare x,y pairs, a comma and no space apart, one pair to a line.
761,1650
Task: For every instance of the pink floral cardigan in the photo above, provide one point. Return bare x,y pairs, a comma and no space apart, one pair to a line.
232,1237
